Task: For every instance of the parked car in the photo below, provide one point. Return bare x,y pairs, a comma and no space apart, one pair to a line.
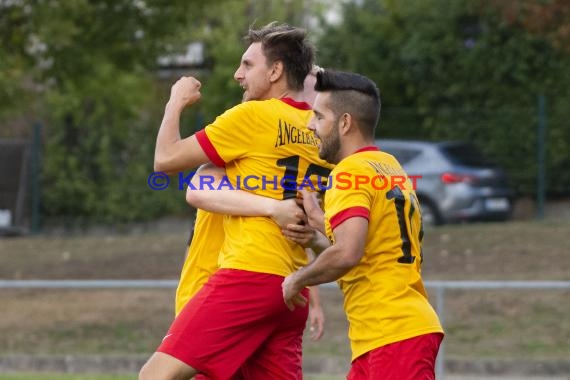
457,182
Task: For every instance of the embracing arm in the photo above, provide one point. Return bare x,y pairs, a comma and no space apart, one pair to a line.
332,263
307,236
237,202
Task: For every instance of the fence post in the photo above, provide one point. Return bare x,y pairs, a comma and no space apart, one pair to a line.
35,173
541,157
440,310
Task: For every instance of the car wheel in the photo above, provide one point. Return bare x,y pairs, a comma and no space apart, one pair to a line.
430,215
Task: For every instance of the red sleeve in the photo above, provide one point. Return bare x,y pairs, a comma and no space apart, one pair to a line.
209,149
348,213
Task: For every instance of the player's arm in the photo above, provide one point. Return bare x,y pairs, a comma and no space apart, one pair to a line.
316,313
332,263
172,153
307,236
207,193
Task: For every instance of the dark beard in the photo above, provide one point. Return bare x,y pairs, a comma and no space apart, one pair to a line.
330,148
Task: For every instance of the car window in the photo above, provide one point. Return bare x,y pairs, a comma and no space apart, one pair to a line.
466,155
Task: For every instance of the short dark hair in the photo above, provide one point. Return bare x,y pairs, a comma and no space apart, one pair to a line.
288,44
354,94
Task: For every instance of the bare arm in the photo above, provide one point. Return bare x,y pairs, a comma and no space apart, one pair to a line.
332,263
172,153
316,313
237,202
307,236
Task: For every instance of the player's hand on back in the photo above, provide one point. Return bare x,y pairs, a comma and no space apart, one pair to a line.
301,234
287,212
315,215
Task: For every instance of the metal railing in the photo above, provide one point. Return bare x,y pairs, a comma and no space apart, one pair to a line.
88,284
439,286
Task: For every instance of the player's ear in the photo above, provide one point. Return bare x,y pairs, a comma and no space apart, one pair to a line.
276,71
346,123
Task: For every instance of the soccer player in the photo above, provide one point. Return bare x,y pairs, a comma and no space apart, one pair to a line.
207,236
239,315
375,234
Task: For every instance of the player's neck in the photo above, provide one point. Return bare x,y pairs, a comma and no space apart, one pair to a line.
352,145
280,90
293,95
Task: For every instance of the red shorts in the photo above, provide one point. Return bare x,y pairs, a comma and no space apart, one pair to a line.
412,359
238,320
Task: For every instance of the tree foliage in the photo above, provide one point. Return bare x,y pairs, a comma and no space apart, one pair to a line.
87,70
223,26
463,70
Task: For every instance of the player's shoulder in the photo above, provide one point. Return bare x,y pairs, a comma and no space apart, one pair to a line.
366,160
376,155
254,106
243,110
284,104
259,103
361,156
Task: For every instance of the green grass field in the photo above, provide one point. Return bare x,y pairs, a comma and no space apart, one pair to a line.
492,324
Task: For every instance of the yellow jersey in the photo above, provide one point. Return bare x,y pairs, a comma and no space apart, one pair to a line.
268,150
384,296
202,256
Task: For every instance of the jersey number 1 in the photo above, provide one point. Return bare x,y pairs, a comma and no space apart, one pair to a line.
291,165
400,203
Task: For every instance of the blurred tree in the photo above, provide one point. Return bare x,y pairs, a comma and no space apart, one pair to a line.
87,69
223,26
460,70
547,19
547,22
